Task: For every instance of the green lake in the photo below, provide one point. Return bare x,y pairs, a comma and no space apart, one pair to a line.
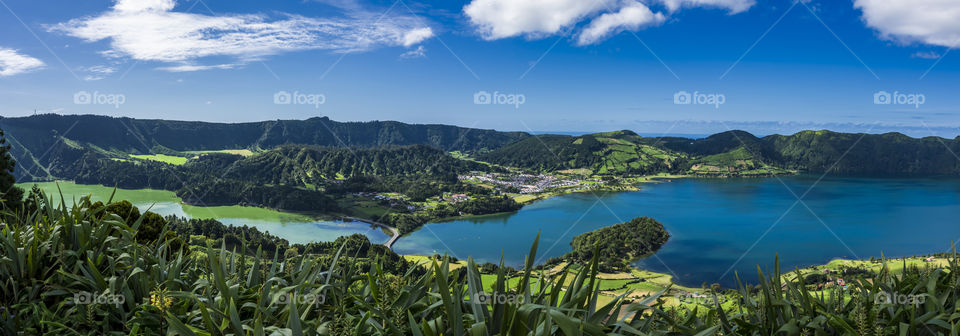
296,228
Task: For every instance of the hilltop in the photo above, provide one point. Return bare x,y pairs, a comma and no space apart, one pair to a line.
40,143
734,153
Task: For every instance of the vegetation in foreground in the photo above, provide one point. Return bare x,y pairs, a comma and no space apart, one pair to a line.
85,269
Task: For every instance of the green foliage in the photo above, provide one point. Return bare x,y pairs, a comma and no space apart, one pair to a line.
10,195
620,243
281,197
297,165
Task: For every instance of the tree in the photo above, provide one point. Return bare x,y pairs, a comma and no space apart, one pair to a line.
150,228
35,200
11,196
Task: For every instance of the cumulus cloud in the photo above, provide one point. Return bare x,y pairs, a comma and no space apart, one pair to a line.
631,16
150,30
416,36
497,19
13,62
734,6
932,22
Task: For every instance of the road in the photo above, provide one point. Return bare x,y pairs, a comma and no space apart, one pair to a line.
393,230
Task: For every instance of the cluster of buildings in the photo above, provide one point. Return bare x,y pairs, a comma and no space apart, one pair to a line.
391,200
456,198
525,183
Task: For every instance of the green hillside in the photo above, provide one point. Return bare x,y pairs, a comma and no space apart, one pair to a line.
625,153
735,153
44,140
621,152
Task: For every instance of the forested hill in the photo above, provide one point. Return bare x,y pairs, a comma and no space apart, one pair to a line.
735,153
289,177
314,165
844,153
57,135
603,153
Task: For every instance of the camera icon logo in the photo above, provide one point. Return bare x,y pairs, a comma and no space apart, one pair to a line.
480,298
82,98
83,298
682,98
282,98
482,98
282,298
882,98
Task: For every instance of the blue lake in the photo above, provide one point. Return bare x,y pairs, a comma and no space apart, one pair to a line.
719,226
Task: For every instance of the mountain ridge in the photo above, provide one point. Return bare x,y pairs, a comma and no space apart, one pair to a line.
33,139
45,144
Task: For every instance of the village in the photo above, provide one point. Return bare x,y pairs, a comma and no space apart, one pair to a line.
520,183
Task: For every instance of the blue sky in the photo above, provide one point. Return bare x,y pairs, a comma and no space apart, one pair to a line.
546,65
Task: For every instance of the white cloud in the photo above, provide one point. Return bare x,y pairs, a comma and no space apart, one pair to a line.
932,22
13,62
195,67
144,5
926,55
734,6
416,36
98,72
420,52
149,30
498,19
630,17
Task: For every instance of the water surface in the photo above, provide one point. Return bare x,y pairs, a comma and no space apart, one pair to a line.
718,226
295,228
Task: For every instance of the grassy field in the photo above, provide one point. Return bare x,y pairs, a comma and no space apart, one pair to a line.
362,207
174,160
896,265
637,284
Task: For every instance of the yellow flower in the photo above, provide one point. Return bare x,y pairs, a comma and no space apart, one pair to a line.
159,299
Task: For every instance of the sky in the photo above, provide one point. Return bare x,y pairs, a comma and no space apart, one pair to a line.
652,66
